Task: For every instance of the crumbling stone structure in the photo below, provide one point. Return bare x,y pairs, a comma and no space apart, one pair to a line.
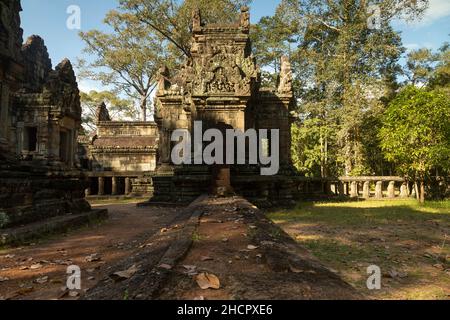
40,116
121,157
220,85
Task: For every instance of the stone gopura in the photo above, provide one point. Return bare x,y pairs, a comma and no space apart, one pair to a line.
220,85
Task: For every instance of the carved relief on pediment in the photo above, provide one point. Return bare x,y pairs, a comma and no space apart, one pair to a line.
224,73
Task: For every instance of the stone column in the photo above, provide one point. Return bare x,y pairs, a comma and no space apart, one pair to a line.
379,190
404,193
354,189
88,192
114,186
391,190
366,190
127,186
101,186
4,106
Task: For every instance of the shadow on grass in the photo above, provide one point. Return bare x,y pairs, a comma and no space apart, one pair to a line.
400,235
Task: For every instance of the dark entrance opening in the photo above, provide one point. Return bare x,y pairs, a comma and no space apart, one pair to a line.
30,142
108,186
94,185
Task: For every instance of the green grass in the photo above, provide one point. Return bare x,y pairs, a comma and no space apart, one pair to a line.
364,212
96,203
399,234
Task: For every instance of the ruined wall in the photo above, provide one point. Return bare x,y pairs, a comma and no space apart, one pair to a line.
40,115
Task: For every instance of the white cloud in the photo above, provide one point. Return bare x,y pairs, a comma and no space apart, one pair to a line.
88,86
437,9
414,46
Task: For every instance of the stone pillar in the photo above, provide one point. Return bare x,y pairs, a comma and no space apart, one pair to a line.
391,190
379,190
404,193
101,186
88,192
366,190
127,186
354,189
114,186
4,106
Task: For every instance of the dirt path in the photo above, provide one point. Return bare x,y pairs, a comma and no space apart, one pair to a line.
161,253
252,259
39,271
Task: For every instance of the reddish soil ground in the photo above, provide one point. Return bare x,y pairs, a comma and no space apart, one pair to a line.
23,270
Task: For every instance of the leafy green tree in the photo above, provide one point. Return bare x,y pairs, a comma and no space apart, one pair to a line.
118,108
440,78
416,134
127,59
171,20
420,66
346,71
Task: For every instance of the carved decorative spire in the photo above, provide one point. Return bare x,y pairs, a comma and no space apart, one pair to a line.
196,20
163,79
102,113
285,85
245,18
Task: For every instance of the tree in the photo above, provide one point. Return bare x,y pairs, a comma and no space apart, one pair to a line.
440,78
346,71
420,66
171,20
416,134
127,59
118,108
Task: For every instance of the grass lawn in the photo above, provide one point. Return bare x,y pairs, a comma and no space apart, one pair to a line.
409,242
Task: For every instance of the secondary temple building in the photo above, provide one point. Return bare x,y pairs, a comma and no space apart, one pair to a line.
121,157
40,115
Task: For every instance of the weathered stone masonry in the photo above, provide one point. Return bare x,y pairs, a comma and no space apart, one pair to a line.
120,158
221,86
40,115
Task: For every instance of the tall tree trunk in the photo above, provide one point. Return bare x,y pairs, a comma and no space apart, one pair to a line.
416,189
422,191
143,107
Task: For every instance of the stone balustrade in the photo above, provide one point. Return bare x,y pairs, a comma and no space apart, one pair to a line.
389,187
117,184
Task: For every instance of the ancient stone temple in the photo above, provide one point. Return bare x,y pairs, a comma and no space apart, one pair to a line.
220,85
120,158
40,115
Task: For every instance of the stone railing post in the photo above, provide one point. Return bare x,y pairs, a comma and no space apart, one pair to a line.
354,189
379,190
391,190
366,190
101,186
87,192
404,193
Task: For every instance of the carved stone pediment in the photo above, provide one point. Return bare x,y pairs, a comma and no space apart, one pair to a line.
224,73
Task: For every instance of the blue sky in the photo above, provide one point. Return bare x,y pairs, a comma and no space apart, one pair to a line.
47,18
